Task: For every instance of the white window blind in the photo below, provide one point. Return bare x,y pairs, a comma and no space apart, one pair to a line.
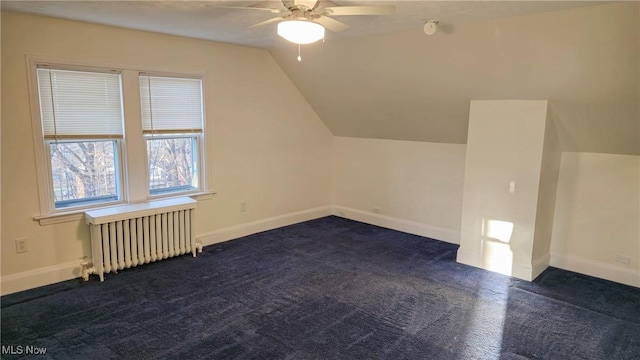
170,105
80,104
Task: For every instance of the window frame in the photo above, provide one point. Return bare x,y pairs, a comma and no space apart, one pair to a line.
134,182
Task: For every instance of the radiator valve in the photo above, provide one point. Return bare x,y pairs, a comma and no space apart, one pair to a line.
86,268
199,246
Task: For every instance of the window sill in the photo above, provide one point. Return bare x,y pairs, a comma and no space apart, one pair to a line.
79,214
205,195
59,218
198,196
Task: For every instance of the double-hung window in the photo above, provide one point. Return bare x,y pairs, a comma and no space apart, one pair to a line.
172,126
96,147
82,125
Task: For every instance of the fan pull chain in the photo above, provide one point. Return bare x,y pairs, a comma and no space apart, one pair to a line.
299,57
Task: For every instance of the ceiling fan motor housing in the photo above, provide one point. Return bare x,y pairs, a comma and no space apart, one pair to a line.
303,5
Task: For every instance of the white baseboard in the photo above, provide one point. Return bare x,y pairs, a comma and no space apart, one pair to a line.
66,271
26,280
411,227
522,271
476,259
539,265
237,231
531,271
597,269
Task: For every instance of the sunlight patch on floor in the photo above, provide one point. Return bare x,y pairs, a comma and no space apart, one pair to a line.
483,339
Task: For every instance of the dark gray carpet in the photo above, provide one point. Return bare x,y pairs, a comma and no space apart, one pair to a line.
325,289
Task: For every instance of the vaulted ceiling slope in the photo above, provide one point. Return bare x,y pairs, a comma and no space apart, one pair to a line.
384,78
410,86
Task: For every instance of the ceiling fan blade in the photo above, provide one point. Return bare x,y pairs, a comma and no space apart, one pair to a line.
266,22
359,10
331,24
273,11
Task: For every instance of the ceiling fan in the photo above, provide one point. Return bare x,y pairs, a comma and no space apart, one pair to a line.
304,22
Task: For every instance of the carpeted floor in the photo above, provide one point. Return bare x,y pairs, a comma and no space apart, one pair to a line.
325,289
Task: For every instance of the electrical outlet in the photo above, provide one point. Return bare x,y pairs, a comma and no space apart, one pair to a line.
623,259
243,206
21,245
376,210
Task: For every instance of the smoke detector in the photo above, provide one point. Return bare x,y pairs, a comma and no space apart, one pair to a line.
430,27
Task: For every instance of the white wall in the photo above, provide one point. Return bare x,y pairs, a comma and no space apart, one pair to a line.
418,188
416,185
548,186
598,216
266,145
501,183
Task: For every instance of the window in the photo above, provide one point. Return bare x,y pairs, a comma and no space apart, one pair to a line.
84,172
82,125
172,127
95,147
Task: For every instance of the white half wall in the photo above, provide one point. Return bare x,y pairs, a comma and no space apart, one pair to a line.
409,182
597,216
501,186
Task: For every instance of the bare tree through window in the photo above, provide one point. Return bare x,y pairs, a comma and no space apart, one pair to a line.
172,163
83,170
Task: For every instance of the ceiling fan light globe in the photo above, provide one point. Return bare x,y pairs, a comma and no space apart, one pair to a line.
300,31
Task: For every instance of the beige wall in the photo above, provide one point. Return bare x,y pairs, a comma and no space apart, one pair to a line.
598,216
412,181
266,146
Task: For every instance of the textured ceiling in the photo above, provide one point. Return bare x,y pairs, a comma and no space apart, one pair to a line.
207,20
